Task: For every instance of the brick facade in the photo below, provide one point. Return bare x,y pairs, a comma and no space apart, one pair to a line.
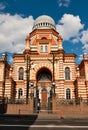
42,63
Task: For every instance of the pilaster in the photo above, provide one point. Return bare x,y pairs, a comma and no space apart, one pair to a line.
61,75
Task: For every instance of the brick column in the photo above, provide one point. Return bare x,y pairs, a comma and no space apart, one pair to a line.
87,91
61,75
32,104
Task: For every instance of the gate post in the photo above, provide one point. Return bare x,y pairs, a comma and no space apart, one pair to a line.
31,103
54,103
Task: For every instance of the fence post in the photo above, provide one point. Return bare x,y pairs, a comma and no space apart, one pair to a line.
54,104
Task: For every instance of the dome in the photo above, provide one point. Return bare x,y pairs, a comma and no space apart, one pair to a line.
44,22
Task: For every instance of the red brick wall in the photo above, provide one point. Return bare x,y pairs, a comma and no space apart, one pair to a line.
19,109
73,111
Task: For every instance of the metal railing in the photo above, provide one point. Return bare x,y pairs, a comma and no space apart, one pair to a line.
3,100
63,101
17,101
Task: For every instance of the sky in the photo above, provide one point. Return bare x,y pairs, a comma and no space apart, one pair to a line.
17,17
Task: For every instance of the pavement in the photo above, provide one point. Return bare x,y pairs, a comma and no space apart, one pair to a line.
39,116
44,121
55,116
42,116
46,116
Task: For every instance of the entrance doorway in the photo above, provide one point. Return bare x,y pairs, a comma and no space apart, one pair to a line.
44,96
44,100
44,79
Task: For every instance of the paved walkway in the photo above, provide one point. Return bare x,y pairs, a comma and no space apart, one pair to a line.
46,116
51,116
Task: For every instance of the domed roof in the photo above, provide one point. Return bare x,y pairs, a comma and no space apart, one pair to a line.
44,22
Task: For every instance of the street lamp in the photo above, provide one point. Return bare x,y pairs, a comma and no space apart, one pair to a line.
53,66
28,61
28,68
53,73
32,89
53,88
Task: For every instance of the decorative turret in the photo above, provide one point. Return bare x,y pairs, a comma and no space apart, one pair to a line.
85,57
4,56
27,44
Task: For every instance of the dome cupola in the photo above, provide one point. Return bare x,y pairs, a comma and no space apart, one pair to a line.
44,22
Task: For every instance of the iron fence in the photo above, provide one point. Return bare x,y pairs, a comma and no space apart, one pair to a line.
16,101
78,101
63,101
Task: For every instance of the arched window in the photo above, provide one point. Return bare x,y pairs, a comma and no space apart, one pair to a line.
43,38
67,73
20,93
46,48
21,73
41,48
68,93
44,75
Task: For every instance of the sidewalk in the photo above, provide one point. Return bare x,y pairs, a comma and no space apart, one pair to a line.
51,116
48,116
44,116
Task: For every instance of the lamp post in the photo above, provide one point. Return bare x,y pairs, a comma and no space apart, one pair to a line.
53,88
53,62
32,89
53,72
28,60
53,65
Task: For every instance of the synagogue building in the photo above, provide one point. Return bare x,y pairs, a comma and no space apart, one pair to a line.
43,69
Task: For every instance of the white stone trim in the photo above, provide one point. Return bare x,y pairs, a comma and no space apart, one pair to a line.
70,91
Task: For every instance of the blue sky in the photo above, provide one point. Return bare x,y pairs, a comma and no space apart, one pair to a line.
70,16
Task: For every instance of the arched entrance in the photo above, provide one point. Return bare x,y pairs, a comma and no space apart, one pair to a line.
44,79
44,75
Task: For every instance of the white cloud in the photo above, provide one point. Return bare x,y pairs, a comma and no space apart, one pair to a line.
85,48
64,3
2,6
75,40
84,40
69,26
13,31
71,29
80,58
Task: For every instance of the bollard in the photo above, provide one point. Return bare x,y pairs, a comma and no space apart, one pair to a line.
19,112
62,114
